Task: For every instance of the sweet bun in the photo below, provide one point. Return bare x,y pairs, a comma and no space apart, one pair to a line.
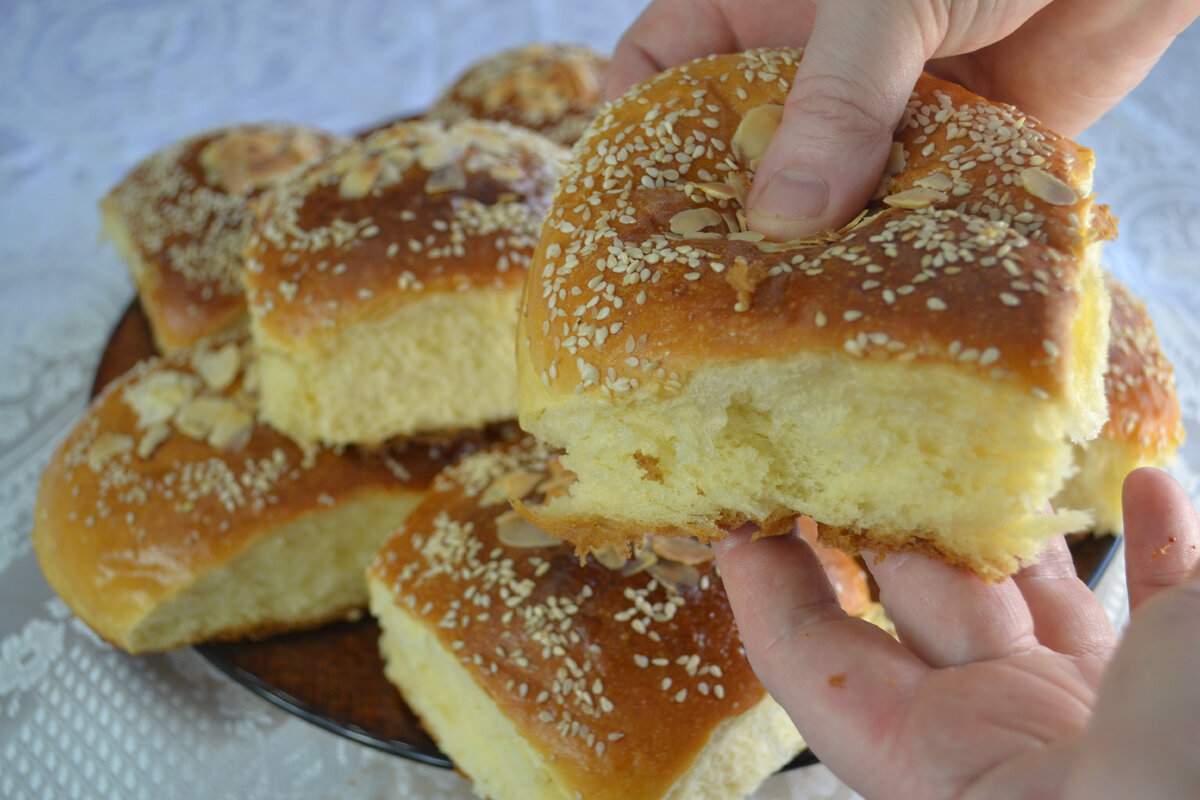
912,382
181,217
169,515
542,676
1144,427
383,281
554,89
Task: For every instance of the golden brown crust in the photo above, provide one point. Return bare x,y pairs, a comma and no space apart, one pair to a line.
415,208
181,219
645,270
847,540
554,89
169,475
1139,382
587,531
622,677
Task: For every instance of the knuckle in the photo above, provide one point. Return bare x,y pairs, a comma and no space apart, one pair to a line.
841,107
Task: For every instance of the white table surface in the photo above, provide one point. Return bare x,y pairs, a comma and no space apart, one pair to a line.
86,90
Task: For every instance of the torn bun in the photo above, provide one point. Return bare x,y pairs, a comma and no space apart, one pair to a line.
912,382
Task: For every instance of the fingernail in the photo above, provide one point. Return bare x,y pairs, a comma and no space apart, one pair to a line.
793,194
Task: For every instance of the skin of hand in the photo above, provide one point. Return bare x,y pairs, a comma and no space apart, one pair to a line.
1064,62
1009,690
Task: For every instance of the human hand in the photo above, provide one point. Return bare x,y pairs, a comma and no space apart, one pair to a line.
1064,62
994,690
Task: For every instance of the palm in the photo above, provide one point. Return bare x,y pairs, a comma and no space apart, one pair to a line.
986,724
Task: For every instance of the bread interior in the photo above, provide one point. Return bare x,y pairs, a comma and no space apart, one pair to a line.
1102,465
897,449
441,361
307,572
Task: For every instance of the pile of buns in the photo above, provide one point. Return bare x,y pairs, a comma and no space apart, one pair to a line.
349,327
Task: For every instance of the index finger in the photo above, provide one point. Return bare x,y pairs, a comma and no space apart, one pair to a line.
837,676
667,33
671,32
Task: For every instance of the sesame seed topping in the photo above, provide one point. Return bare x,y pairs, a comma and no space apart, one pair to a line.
449,558
951,226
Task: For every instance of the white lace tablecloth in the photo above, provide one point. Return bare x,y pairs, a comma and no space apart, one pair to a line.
89,87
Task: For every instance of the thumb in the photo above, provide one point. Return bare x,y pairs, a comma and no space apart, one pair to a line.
1143,737
850,90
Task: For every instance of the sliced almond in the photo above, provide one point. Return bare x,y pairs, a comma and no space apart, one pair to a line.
861,219
512,486
754,132
746,236
938,181
721,191
521,484
642,560
159,396
439,153
107,445
741,218
740,189
231,427
1047,187
917,197
217,368
359,180
513,530
681,549
896,160
398,159
154,436
243,160
389,173
304,145
694,220
250,377
608,557
505,172
449,178
198,415
676,574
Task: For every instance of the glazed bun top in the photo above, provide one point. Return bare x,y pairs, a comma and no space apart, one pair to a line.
971,253
412,209
1140,381
183,215
554,89
621,669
